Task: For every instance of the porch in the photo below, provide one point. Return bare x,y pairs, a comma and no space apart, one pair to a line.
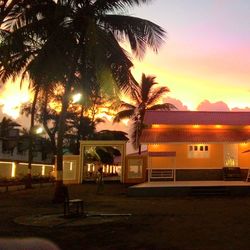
190,188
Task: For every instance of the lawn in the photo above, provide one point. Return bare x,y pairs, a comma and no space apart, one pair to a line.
187,223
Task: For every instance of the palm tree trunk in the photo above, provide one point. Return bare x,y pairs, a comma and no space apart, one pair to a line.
45,125
59,194
30,153
142,115
79,128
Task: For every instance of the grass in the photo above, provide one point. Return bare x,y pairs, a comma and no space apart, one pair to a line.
187,223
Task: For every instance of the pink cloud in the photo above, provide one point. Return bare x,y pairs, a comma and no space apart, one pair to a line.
209,106
177,103
246,109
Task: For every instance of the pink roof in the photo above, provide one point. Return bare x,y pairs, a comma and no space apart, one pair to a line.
197,117
152,136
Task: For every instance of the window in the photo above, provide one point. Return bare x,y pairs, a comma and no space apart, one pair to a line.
135,168
198,151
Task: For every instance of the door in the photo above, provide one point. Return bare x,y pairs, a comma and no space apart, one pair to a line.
231,155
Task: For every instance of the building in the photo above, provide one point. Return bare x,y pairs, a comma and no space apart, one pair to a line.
14,156
192,145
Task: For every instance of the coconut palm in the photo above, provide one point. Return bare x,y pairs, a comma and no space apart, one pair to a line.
75,42
144,97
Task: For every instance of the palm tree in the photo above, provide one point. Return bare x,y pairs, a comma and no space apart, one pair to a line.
144,97
6,7
75,42
9,134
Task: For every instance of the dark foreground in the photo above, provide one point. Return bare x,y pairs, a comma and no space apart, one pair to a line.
188,223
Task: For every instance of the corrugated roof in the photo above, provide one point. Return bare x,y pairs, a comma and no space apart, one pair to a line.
197,117
167,154
194,135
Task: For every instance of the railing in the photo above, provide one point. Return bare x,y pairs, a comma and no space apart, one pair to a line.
161,174
248,175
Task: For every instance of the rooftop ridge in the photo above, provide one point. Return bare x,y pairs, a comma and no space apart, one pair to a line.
198,117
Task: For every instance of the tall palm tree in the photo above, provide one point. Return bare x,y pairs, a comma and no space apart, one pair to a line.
144,97
75,42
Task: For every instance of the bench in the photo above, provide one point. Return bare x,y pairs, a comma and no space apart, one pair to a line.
72,207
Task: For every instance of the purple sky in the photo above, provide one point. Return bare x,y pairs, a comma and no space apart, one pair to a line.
207,52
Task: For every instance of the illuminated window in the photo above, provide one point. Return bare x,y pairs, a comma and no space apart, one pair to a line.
135,168
198,151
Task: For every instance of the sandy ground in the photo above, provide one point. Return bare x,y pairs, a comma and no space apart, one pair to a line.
176,223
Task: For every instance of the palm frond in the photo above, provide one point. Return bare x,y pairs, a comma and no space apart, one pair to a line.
139,32
135,93
104,61
164,106
156,94
147,82
99,120
124,114
125,105
113,5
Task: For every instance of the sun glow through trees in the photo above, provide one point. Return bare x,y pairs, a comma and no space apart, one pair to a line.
12,97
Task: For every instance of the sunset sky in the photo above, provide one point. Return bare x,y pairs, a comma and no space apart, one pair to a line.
207,52
206,58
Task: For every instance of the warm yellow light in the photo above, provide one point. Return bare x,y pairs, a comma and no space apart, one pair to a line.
39,130
35,164
76,97
13,169
196,126
218,126
125,121
106,116
71,166
12,97
43,170
155,126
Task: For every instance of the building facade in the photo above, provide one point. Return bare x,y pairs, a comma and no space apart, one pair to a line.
193,145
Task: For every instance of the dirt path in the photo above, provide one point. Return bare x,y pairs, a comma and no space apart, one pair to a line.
155,223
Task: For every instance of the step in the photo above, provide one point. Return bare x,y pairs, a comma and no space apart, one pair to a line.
208,191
